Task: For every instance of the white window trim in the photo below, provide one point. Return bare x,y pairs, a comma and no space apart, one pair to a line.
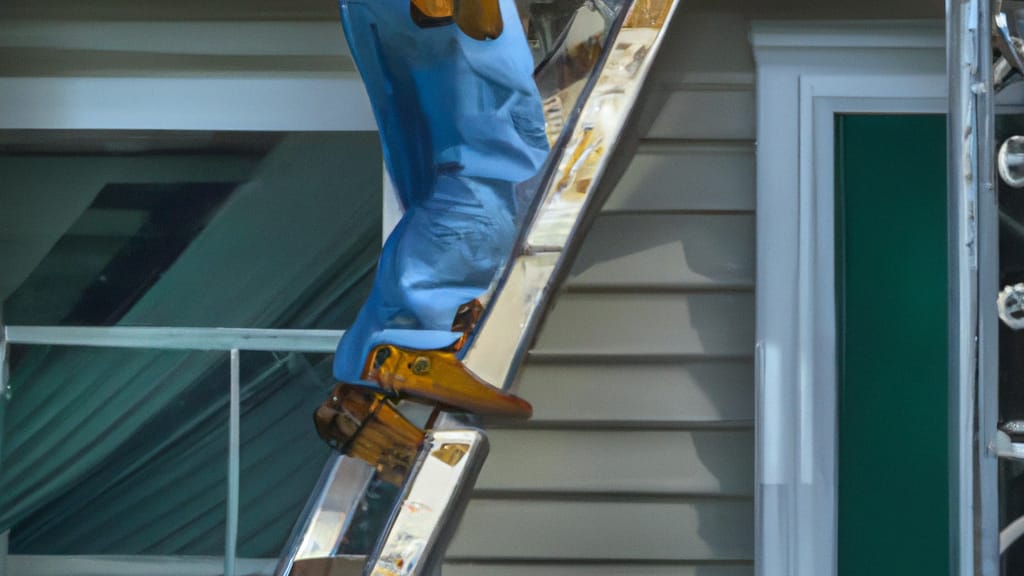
806,73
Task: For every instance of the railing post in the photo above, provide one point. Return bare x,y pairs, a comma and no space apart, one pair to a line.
234,434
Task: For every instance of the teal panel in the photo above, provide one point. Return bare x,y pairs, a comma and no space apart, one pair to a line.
893,484
120,452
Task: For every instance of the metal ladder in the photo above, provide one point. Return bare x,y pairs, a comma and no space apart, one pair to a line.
596,127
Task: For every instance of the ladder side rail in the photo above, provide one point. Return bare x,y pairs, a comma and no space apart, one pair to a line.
547,245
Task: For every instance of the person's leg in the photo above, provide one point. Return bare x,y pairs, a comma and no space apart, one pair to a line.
454,245
378,33
458,230
444,253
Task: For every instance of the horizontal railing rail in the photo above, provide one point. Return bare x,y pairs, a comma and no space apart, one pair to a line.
173,338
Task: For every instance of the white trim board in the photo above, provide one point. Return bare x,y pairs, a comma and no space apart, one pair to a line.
806,73
269,104
211,38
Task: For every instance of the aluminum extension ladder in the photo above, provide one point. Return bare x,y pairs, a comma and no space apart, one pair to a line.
594,123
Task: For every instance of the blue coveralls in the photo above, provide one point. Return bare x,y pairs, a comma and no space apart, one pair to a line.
461,124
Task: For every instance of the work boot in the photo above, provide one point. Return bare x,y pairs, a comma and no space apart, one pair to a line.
478,19
439,378
364,424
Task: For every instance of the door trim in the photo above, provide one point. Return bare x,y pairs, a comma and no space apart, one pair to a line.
806,73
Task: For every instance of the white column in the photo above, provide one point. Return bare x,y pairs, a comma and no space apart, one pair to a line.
392,206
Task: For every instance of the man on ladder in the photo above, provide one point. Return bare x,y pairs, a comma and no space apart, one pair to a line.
461,124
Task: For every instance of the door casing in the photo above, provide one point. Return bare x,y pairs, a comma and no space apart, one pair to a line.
808,72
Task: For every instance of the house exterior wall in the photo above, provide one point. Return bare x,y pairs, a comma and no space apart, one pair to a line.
640,460
640,457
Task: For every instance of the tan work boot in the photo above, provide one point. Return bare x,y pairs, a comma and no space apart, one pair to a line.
478,19
439,378
364,424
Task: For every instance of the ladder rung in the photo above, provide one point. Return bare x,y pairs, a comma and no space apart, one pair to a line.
330,566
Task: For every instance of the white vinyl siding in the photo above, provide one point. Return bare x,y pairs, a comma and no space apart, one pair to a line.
639,460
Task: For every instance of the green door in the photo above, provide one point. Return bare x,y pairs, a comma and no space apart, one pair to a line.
893,486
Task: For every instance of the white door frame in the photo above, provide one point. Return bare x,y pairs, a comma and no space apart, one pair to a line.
807,72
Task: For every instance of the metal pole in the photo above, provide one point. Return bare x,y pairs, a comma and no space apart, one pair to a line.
961,401
973,466
986,345
231,536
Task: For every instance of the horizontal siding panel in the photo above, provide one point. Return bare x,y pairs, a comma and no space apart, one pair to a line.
706,112
649,325
685,176
617,393
704,462
653,337
582,569
238,38
600,530
700,42
667,251
46,62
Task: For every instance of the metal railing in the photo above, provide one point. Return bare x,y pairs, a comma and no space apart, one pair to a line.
233,341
